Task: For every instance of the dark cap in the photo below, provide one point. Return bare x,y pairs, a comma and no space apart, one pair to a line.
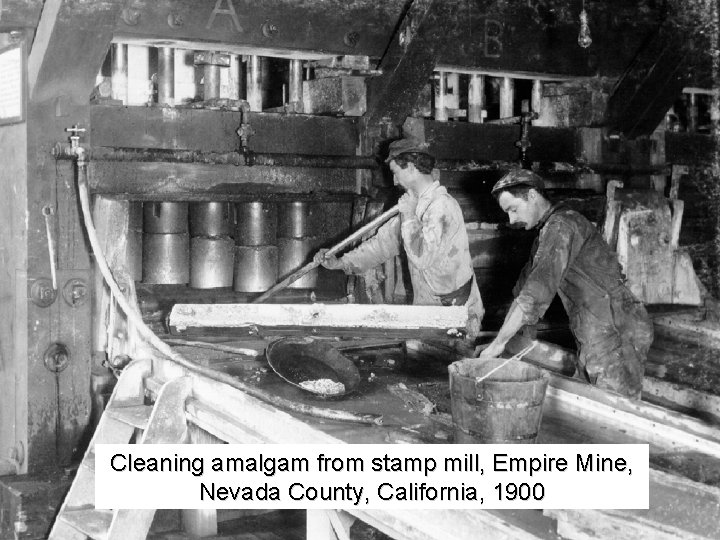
406,145
518,177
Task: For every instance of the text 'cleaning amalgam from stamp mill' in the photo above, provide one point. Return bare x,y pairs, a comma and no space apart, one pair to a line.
372,476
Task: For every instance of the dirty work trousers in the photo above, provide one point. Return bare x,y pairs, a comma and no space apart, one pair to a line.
614,336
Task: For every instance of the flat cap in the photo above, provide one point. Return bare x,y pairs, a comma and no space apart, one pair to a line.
518,177
406,145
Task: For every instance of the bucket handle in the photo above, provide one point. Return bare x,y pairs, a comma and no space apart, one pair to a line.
518,356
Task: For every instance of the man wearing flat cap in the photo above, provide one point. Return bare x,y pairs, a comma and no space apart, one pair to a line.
430,229
570,258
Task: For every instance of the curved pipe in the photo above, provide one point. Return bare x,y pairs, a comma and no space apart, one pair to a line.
165,349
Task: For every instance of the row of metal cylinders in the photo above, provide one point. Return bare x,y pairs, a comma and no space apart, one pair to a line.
248,246
177,81
222,78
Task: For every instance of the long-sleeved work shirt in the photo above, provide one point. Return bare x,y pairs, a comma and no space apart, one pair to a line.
571,258
436,245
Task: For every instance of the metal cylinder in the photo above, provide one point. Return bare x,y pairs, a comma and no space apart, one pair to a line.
211,262
256,223
166,258
254,83
295,86
256,268
536,96
166,76
230,79
293,253
507,97
165,217
476,98
211,219
119,72
440,91
294,219
211,81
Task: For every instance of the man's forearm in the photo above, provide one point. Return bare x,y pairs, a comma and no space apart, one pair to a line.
514,321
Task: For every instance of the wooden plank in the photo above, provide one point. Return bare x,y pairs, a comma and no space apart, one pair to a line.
410,59
597,524
651,84
216,131
678,508
327,315
251,414
693,401
656,425
172,181
704,331
17,14
69,48
458,524
491,142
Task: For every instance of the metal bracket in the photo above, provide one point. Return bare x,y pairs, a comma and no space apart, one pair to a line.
75,292
42,293
56,357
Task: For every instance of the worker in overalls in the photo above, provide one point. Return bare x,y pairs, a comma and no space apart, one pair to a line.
570,258
431,230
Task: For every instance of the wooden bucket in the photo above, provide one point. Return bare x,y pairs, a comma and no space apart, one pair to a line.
505,407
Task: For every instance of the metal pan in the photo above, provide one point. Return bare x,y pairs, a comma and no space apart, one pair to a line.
299,360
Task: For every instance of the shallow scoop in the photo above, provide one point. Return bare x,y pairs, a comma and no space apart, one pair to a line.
299,360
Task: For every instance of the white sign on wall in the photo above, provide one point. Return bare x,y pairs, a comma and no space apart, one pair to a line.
13,83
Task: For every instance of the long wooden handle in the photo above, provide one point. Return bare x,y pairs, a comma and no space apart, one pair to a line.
382,218
362,231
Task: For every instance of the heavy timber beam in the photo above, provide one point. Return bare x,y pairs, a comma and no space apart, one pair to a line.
194,181
650,85
130,155
19,14
330,27
70,44
215,131
410,60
